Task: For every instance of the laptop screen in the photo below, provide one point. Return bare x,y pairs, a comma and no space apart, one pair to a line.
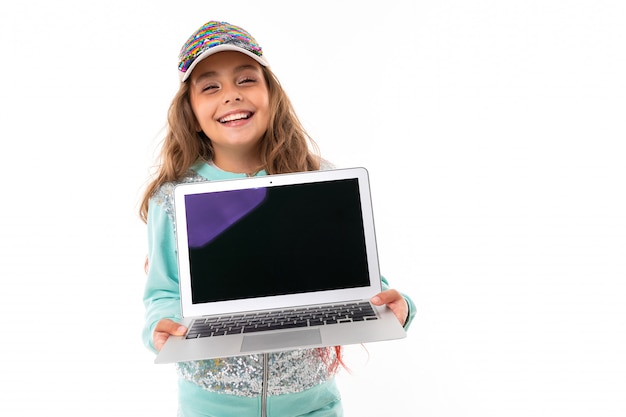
277,240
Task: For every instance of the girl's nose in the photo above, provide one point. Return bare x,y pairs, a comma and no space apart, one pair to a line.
232,98
232,94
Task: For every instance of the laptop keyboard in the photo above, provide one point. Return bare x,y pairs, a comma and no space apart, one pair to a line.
281,319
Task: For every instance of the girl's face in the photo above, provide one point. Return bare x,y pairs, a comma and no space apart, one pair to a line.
230,100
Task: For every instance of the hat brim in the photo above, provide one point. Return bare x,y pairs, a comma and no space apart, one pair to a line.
220,48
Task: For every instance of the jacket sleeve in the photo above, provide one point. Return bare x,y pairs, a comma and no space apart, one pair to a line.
410,303
161,294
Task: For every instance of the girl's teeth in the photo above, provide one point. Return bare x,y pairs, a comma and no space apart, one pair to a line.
234,117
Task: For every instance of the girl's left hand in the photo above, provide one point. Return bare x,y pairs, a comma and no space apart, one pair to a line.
395,301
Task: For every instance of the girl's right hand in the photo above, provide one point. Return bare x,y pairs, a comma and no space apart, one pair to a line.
164,329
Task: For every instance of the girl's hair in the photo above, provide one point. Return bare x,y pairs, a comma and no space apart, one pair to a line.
285,147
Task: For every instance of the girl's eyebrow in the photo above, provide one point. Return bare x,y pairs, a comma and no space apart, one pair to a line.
209,74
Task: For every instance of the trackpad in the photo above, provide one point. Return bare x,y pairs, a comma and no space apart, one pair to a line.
293,339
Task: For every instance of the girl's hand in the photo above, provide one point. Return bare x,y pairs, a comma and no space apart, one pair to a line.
395,301
163,330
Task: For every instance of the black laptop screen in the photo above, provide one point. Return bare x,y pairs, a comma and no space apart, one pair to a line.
276,241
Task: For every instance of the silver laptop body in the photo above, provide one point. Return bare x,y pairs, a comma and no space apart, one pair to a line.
275,263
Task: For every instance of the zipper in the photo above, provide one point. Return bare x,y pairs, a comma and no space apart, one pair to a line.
264,385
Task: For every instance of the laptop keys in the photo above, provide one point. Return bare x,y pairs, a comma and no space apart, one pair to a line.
284,319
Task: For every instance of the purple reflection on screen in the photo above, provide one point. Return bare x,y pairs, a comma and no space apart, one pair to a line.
210,214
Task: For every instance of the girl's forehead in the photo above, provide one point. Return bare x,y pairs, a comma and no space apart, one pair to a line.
225,61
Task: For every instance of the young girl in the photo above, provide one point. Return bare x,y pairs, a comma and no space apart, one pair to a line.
231,118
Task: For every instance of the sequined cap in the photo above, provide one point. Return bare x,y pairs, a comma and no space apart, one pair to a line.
212,37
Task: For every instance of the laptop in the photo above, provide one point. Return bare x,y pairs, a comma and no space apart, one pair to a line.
275,263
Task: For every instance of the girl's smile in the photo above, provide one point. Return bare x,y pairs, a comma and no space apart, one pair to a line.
235,117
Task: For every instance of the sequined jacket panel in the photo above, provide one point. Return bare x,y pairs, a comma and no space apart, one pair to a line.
288,372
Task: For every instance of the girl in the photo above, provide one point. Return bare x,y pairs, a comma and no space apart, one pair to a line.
231,118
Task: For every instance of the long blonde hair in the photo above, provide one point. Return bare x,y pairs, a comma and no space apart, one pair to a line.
285,147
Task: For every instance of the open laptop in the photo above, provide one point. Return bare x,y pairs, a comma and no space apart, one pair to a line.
301,246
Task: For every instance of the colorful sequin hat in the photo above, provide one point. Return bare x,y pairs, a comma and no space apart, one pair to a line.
214,37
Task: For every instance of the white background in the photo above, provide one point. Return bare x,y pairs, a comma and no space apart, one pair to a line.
494,135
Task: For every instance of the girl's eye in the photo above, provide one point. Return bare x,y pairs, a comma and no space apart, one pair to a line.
209,87
245,80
